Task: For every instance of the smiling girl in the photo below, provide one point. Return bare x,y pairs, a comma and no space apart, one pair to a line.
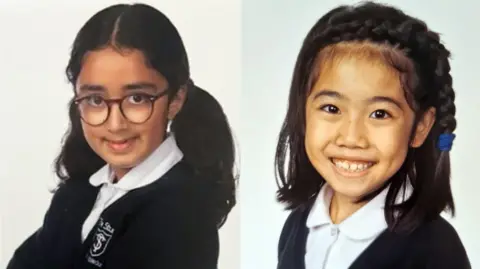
366,143
147,165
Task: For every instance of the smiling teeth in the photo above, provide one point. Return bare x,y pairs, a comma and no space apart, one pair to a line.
352,166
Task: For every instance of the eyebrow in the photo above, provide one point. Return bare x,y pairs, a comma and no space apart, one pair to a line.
127,87
374,99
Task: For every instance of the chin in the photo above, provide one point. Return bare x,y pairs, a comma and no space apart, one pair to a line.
122,165
123,162
351,190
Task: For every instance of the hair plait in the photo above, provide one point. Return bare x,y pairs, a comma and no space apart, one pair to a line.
398,30
427,168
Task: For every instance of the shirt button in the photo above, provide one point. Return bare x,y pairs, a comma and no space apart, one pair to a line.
334,231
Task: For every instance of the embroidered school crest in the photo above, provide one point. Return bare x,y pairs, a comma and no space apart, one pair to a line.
101,238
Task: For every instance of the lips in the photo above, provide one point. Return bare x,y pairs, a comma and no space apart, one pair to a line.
352,167
120,145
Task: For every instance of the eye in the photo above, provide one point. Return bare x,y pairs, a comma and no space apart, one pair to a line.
330,109
380,114
138,99
95,100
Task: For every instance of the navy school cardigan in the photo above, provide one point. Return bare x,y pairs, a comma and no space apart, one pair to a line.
433,245
168,224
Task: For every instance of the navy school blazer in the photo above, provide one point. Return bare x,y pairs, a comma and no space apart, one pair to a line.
168,224
433,245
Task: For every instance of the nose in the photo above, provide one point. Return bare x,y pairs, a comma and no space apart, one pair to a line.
352,133
116,121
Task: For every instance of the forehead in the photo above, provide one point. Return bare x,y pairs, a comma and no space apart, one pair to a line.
357,71
112,69
358,74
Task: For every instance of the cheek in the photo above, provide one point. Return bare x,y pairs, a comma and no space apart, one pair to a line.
392,143
318,134
153,130
92,134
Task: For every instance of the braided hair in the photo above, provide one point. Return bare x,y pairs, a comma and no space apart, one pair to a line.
427,168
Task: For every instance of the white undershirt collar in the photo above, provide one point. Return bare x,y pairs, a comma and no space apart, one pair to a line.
162,159
365,223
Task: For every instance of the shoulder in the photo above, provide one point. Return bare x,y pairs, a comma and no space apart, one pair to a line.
179,206
175,228
295,218
441,226
441,232
179,199
72,199
444,248
72,185
293,226
72,191
298,216
180,187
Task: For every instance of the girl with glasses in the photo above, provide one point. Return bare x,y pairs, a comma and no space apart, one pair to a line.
147,164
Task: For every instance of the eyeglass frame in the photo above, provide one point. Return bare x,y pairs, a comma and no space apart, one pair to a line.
119,101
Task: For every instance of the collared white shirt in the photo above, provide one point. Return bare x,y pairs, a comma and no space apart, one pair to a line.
155,166
337,246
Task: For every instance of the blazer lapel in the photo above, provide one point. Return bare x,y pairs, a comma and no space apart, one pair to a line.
386,251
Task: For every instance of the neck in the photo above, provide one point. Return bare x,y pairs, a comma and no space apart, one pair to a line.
119,173
342,207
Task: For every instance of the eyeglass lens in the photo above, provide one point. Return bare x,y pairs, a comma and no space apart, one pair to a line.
135,108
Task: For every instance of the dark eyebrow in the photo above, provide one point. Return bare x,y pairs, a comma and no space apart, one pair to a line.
328,93
140,86
128,87
384,99
91,88
375,99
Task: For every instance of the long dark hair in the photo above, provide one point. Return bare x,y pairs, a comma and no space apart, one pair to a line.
426,168
201,127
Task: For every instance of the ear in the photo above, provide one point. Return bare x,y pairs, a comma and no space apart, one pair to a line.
423,128
177,102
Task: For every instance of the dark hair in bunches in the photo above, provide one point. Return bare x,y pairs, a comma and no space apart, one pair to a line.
201,127
427,83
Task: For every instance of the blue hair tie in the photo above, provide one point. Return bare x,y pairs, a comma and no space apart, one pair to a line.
445,142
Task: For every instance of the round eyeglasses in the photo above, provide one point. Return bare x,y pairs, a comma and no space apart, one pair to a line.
136,108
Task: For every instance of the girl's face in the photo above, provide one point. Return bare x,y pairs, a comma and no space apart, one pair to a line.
358,126
108,74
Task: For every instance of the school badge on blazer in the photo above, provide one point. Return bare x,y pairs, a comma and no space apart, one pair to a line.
101,238
100,241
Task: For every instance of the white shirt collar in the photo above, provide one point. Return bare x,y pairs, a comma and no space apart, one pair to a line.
160,161
365,223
